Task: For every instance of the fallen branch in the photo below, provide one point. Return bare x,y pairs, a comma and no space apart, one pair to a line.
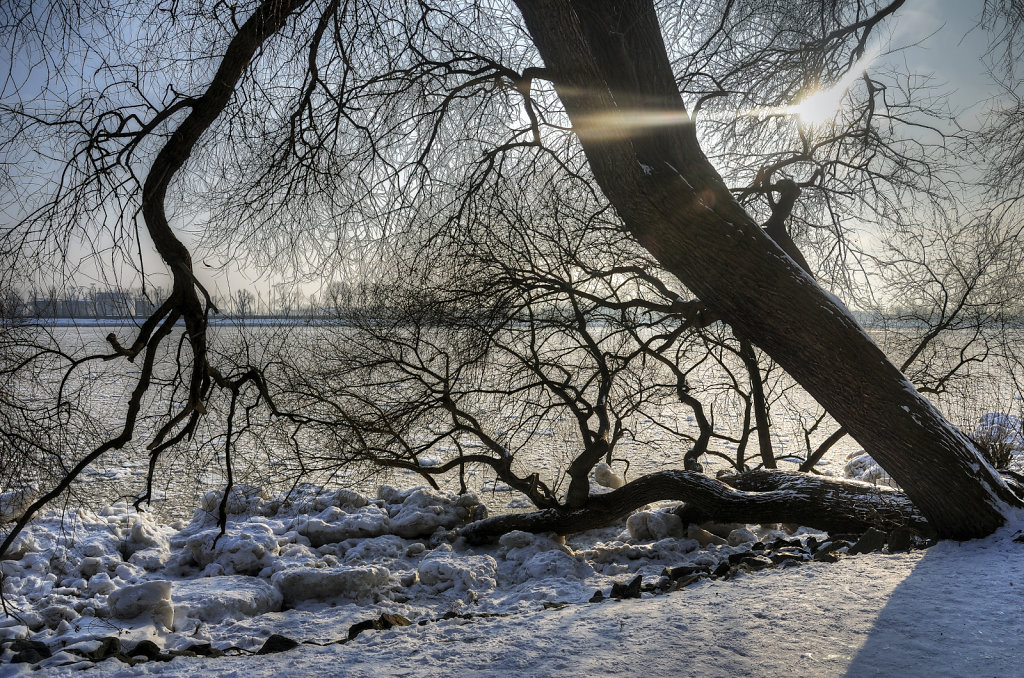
755,497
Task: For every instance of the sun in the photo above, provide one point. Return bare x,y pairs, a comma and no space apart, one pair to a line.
820,106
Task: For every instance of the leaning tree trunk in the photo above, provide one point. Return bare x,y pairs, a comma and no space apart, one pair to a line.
609,65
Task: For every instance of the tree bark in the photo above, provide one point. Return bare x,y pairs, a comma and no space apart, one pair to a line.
612,74
760,404
754,497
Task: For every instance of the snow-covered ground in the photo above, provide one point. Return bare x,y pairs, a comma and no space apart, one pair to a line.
311,567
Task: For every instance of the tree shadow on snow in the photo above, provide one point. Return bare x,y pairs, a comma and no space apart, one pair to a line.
960,612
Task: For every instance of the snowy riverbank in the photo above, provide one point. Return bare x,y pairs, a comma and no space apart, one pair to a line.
311,568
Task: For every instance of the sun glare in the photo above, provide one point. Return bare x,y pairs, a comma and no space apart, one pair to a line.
820,107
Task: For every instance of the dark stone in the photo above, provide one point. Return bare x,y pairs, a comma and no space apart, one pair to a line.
109,647
389,620
681,571
147,649
845,536
901,539
685,581
278,643
29,651
737,558
832,546
780,543
812,543
722,569
554,605
28,656
359,627
207,650
871,541
384,622
825,557
597,597
756,563
630,590
788,556
757,546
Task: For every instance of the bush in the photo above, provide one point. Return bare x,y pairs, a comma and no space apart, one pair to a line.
999,438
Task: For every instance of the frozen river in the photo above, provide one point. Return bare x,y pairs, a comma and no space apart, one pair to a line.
99,392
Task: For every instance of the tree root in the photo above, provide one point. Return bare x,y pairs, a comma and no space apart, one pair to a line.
755,497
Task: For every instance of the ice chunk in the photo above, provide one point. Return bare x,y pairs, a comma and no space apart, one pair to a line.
423,511
606,477
741,536
532,556
151,597
656,525
367,521
860,466
14,502
244,549
241,499
385,547
214,599
356,583
462,575
150,559
664,524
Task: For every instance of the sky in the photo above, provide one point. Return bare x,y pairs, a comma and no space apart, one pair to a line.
951,50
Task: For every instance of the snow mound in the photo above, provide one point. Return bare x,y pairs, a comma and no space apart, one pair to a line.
420,512
1003,427
463,576
363,584
14,502
244,549
216,599
606,477
535,556
860,466
307,563
1002,433
333,525
656,525
152,598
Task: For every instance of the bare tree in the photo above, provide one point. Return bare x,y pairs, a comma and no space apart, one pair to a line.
244,302
297,131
